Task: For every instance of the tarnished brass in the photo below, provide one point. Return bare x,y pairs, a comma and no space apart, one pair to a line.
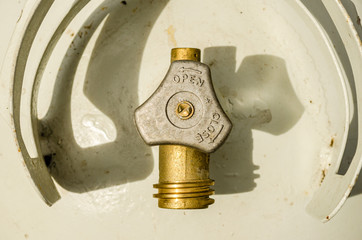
192,54
184,178
183,171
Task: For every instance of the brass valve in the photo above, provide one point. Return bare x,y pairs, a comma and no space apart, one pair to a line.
184,117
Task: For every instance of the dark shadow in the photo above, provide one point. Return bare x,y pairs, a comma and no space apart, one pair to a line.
357,189
317,8
112,86
258,95
356,20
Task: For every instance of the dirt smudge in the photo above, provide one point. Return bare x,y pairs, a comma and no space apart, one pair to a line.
171,35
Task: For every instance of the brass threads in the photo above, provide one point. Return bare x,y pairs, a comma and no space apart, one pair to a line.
184,178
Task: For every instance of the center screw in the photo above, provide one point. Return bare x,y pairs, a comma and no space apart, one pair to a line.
184,110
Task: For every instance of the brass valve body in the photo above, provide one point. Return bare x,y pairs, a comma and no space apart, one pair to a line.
192,126
184,178
184,171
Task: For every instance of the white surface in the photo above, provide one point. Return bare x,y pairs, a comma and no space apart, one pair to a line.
337,187
280,165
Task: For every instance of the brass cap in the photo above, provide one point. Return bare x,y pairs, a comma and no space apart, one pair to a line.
191,54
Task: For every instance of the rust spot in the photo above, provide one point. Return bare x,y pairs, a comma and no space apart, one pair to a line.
104,8
324,171
106,172
310,101
19,150
327,217
291,203
70,32
80,34
332,142
358,20
26,236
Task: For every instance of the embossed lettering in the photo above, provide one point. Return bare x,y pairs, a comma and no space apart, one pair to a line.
183,69
205,134
199,138
212,131
189,75
201,82
211,128
216,116
176,79
189,78
184,77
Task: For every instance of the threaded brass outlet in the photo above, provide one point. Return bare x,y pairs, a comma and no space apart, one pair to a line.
184,178
183,171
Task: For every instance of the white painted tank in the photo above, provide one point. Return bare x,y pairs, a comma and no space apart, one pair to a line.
287,73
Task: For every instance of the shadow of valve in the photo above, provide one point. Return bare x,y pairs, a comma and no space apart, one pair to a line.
258,95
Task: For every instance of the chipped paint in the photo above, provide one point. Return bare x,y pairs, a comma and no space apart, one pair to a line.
331,144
